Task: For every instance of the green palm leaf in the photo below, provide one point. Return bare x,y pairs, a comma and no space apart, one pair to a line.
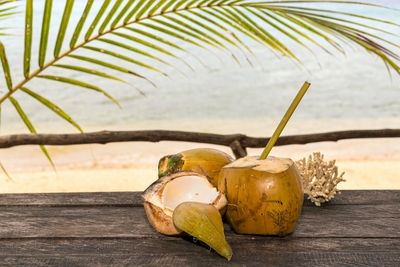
6,66
119,56
88,71
7,9
158,29
24,117
45,31
144,8
155,37
168,5
78,83
28,37
183,30
122,13
171,33
208,28
80,24
97,19
134,10
133,49
156,6
63,27
145,43
110,66
29,125
53,107
110,15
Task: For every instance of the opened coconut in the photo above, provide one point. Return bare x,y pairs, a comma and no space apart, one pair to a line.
265,196
206,161
164,195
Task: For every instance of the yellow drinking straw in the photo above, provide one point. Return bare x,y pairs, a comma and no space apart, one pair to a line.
284,120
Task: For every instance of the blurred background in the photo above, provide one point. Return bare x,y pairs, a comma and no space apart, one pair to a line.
348,91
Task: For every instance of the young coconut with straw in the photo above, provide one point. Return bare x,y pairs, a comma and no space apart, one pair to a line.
265,195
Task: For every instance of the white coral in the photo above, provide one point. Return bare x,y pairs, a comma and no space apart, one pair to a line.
320,178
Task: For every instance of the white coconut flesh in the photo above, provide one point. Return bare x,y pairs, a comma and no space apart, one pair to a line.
188,188
171,192
270,164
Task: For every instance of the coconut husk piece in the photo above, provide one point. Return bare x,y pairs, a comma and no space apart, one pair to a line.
204,222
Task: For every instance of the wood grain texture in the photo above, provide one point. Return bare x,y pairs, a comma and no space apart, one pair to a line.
252,251
358,228
353,197
131,222
167,259
73,199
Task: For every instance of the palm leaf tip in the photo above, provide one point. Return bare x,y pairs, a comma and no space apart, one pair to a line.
80,84
5,172
53,107
30,127
7,10
125,58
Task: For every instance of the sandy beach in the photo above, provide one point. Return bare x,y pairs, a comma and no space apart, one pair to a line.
368,164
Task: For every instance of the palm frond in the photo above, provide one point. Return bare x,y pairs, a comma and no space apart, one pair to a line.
7,9
29,125
160,31
77,83
45,31
122,13
6,66
63,27
15,103
28,37
89,71
53,107
96,20
81,23
122,57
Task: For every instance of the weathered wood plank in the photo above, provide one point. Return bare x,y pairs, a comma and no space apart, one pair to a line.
248,250
73,199
281,259
265,244
357,228
354,197
330,221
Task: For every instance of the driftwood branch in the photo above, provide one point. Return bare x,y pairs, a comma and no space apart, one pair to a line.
240,146
238,150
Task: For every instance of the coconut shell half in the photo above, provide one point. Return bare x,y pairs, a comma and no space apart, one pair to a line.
164,195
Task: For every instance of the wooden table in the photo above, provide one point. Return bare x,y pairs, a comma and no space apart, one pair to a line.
357,228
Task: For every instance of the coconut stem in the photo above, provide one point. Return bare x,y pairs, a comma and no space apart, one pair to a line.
284,120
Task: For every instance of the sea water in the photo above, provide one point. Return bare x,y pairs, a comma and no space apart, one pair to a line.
351,91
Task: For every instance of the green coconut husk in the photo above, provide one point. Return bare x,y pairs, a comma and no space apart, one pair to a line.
204,222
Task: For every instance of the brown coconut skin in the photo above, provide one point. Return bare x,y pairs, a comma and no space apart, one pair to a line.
262,202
